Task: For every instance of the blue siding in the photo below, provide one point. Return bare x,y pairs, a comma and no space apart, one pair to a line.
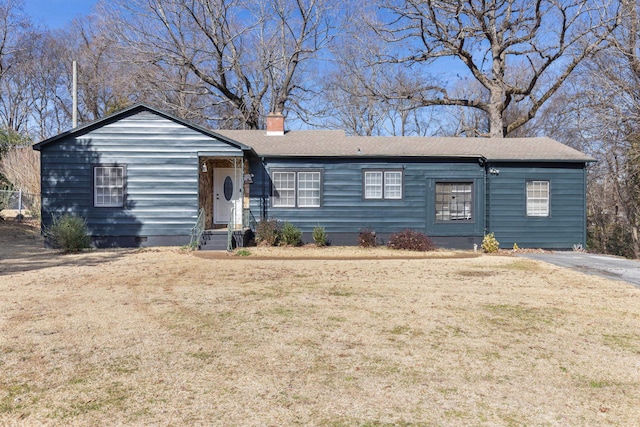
162,168
344,210
161,157
565,225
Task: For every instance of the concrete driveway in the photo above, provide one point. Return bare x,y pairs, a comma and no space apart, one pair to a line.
601,265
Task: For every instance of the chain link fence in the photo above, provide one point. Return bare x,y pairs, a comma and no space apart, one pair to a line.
19,204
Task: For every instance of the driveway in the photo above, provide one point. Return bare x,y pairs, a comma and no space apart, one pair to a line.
601,265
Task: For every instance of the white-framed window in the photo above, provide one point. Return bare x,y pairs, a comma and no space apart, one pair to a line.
454,201
537,198
308,189
284,189
373,185
382,184
296,189
108,186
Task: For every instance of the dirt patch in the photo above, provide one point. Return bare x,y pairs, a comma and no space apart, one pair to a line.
169,337
22,249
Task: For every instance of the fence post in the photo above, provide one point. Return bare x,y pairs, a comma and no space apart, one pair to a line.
19,203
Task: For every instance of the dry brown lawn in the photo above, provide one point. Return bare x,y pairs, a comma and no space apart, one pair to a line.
327,337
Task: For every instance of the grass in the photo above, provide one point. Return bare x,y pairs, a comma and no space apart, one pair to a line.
164,337
243,252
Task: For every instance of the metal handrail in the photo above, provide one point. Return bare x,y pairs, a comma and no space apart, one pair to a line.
197,230
248,220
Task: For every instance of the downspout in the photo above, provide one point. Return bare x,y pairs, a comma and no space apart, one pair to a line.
487,188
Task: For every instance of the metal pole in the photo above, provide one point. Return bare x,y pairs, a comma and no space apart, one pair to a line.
19,203
74,113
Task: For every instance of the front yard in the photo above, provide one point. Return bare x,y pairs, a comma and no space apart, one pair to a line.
333,337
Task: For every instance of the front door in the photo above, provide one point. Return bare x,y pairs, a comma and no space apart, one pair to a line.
227,193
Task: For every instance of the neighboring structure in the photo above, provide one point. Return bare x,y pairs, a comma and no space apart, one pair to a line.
140,177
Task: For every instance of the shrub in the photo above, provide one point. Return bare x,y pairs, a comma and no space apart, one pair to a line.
490,244
69,233
268,232
291,235
411,240
367,238
319,236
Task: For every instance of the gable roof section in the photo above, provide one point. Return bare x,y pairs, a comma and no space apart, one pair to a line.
130,111
336,144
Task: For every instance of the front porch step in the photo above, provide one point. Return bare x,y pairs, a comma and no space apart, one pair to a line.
216,240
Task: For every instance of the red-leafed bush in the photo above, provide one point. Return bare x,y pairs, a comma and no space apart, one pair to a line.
367,238
411,240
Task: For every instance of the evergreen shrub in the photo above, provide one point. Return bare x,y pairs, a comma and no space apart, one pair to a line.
320,236
290,235
69,233
490,244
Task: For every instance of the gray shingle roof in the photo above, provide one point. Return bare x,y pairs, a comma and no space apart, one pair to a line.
335,143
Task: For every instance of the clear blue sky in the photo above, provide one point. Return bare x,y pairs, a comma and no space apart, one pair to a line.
57,13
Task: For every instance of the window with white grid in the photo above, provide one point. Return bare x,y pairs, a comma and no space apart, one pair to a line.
382,184
284,189
300,189
373,185
308,189
393,185
537,198
108,186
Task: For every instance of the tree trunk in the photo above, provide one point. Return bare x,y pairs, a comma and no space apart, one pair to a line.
495,112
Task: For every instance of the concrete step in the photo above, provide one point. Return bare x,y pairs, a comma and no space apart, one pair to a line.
213,241
216,240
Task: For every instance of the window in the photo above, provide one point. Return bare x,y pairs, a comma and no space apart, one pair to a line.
308,189
537,198
454,201
383,184
284,189
296,189
108,186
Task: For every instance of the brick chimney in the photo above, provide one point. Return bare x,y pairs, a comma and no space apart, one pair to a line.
275,124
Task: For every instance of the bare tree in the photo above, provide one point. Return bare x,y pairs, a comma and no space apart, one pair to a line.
547,38
14,51
247,55
21,167
599,112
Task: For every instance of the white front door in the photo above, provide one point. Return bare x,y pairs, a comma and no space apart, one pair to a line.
227,193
